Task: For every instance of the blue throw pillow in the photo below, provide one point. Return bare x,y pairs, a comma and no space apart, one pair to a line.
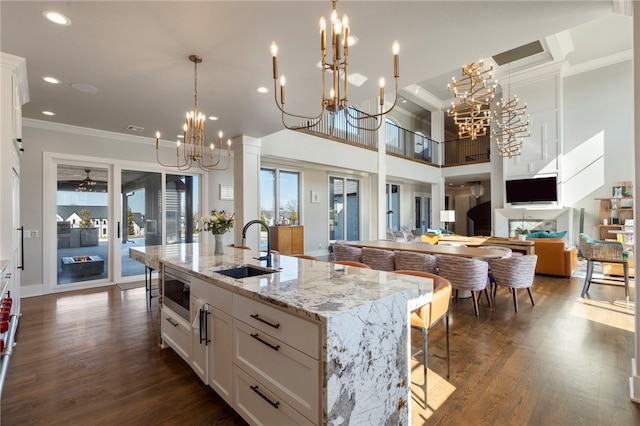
545,234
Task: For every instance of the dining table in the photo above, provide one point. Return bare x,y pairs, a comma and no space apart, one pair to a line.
435,249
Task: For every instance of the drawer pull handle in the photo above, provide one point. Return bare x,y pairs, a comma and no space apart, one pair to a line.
263,396
173,323
259,339
257,317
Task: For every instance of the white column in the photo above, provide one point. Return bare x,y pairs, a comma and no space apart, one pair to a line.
246,183
437,134
382,182
634,380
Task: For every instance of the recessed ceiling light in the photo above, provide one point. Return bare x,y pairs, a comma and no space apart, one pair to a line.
213,117
48,113
51,80
84,88
56,17
180,136
262,89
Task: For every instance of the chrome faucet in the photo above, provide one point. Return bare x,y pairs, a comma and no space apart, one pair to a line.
267,257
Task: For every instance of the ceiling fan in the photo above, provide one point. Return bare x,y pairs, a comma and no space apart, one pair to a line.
86,184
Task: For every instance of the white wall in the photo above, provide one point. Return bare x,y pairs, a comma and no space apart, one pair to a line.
597,138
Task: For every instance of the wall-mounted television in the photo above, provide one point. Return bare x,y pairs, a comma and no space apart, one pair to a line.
535,190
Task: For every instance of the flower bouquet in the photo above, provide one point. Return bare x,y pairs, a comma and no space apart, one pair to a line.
219,223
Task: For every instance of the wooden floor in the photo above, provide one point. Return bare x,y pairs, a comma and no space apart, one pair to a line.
91,357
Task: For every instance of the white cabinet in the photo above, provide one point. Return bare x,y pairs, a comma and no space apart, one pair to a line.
259,406
276,362
212,336
261,360
220,355
176,332
14,94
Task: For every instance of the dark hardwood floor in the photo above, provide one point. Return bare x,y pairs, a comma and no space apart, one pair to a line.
92,357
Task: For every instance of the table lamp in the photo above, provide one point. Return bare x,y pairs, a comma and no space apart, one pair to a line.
447,216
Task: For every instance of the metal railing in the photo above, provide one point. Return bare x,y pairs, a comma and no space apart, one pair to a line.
467,151
337,127
408,144
402,142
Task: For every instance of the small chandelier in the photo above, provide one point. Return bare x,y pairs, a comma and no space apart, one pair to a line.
193,150
337,100
510,125
474,91
477,190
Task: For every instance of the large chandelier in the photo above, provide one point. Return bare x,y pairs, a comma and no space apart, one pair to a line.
511,125
475,93
192,150
337,99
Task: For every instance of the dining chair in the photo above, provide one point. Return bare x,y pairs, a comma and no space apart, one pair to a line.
603,252
351,263
378,259
304,256
343,251
514,272
426,316
465,274
413,261
242,247
490,281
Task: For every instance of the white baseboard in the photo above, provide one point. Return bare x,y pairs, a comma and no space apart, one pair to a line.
31,290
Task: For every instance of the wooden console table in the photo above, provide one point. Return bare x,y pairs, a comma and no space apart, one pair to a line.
525,247
287,239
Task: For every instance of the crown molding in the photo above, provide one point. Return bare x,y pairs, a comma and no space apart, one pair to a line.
84,131
605,61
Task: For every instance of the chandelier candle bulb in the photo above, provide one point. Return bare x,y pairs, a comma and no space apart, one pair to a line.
396,59
274,54
283,81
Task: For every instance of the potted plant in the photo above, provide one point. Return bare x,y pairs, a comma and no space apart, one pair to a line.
522,233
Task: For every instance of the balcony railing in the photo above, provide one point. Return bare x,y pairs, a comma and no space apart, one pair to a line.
402,142
467,151
336,127
408,144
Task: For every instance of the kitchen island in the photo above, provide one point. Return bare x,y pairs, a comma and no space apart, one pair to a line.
353,326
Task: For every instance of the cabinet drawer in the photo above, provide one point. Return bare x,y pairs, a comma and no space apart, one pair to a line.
259,406
176,332
289,373
215,296
295,331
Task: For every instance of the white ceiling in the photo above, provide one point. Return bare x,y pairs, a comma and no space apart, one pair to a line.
136,53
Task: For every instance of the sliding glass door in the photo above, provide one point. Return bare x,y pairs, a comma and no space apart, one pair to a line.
82,223
140,223
102,210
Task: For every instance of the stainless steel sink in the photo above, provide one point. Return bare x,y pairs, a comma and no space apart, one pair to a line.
244,271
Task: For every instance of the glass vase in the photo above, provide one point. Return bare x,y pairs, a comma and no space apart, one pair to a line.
219,243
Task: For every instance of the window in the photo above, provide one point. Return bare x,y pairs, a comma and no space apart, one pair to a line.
279,196
344,209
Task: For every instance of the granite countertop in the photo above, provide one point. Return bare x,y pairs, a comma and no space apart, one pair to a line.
314,289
